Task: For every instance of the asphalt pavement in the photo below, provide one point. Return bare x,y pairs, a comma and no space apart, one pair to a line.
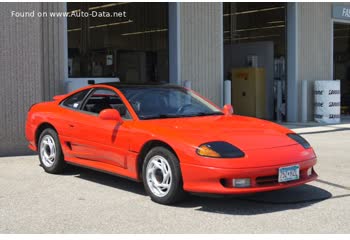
85,201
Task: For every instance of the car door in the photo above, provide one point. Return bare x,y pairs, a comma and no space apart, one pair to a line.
96,139
68,116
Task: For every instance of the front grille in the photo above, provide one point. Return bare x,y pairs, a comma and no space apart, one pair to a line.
266,180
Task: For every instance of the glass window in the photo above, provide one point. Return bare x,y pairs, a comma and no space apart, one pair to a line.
167,102
102,99
75,100
125,40
256,22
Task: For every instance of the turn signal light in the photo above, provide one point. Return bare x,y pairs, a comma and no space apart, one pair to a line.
219,149
208,152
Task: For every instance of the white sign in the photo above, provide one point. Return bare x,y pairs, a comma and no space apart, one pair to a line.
109,60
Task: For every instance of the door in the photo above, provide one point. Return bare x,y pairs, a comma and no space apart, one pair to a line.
341,63
96,139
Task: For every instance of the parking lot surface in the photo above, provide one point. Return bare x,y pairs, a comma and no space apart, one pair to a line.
85,201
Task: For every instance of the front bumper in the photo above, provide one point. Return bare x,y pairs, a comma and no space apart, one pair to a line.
205,179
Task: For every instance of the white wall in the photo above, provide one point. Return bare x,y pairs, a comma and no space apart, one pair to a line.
201,48
314,47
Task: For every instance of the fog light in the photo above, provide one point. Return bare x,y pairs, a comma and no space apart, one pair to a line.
241,182
309,172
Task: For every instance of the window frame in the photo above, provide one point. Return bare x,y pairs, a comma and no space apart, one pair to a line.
87,97
62,103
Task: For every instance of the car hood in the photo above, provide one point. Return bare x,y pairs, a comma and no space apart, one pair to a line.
245,133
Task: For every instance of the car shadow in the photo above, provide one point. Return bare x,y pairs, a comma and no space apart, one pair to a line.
105,179
252,204
259,203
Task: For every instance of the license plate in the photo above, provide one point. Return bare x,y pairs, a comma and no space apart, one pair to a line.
289,173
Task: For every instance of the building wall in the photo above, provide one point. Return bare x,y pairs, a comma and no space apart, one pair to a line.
53,51
20,73
201,44
30,69
314,47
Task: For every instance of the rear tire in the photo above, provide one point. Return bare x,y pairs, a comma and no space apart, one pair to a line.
50,152
162,176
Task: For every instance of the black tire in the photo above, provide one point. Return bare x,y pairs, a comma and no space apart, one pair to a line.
58,162
175,192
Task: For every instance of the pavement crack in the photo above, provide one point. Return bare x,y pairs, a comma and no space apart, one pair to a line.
333,184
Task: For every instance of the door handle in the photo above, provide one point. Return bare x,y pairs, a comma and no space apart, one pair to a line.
71,125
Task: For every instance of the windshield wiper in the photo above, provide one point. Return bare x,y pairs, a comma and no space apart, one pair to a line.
161,116
204,114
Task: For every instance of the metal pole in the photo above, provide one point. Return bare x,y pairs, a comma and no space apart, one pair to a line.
304,101
279,101
227,92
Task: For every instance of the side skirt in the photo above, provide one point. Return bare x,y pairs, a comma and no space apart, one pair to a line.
103,167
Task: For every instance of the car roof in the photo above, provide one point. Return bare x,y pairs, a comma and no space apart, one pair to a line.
140,85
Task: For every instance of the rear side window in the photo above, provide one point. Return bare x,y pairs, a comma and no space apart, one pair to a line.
75,100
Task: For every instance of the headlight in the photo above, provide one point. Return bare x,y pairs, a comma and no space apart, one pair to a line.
219,150
299,139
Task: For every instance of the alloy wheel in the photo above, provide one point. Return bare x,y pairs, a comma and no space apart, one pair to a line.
159,176
48,150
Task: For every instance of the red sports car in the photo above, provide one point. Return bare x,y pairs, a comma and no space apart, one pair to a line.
168,137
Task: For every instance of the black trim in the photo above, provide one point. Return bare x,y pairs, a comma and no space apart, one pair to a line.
299,139
86,99
140,85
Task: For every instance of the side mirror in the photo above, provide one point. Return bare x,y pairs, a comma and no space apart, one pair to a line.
110,114
227,109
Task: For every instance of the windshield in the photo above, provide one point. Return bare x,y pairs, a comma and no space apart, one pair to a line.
167,102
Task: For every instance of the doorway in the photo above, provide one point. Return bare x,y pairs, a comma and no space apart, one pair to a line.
255,42
341,63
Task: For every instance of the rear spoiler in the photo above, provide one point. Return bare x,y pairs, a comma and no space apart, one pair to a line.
59,97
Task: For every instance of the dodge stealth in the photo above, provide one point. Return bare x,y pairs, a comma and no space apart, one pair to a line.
168,137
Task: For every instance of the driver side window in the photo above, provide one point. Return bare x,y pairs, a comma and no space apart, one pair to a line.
102,99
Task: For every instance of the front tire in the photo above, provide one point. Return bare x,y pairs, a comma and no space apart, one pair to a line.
162,176
50,152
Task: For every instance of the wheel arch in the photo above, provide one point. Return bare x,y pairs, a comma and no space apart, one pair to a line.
40,129
146,148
